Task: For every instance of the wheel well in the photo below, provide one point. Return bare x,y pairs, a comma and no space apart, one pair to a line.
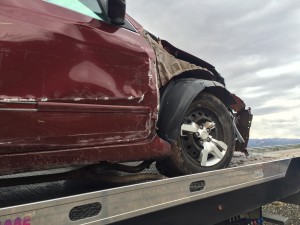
192,74
177,95
220,92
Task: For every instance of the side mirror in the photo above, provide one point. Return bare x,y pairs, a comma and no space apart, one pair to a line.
116,10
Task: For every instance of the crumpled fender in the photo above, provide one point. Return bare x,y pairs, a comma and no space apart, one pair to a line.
176,98
168,66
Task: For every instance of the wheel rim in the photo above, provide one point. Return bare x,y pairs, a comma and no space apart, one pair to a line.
201,137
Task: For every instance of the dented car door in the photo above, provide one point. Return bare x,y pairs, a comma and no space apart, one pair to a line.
84,82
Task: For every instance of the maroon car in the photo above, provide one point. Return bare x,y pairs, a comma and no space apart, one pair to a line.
81,82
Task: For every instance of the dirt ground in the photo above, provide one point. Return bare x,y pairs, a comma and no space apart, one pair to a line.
239,159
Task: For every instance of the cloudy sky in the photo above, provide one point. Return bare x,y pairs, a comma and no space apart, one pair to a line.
254,44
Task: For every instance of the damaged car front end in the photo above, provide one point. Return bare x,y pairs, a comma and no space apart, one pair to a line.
184,79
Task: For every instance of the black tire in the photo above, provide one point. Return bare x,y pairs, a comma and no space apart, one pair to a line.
186,150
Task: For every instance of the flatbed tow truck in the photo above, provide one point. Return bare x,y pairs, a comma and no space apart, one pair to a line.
83,83
228,196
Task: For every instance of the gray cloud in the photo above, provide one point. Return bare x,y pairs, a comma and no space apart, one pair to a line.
272,109
253,44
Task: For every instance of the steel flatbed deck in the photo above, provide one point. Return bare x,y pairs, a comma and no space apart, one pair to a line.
206,198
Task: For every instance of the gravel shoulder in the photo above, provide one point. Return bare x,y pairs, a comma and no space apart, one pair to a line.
240,159
287,210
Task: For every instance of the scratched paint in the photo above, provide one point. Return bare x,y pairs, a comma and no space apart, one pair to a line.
16,99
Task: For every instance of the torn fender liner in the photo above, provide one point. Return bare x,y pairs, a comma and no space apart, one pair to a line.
243,120
169,66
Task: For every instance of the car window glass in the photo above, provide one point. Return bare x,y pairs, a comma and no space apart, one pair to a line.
89,8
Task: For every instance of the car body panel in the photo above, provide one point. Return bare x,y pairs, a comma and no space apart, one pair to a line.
69,81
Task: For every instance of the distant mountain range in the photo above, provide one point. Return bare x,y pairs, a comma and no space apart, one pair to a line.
272,142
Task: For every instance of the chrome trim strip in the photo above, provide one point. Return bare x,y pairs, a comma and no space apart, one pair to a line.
22,110
85,108
19,102
127,202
